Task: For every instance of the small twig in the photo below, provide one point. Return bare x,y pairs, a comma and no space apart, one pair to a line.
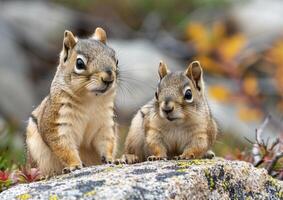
256,154
258,163
267,141
274,143
260,144
273,162
258,132
249,141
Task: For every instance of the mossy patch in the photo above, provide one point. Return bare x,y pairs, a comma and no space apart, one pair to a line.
188,163
24,196
215,175
218,179
53,197
90,193
273,189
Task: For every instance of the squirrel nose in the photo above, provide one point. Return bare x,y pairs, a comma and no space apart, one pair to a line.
107,80
168,109
109,72
108,77
167,105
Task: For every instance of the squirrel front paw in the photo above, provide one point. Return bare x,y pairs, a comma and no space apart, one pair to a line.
69,169
184,157
154,158
129,159
106,159
209,154
119,161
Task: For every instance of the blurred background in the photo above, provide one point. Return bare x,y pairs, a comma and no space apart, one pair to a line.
239,44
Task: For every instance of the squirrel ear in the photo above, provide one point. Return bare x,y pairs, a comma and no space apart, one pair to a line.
194,72
68,43
69,39
100,35
163,70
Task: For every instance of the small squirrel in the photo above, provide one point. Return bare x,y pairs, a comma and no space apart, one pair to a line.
177,123
74,125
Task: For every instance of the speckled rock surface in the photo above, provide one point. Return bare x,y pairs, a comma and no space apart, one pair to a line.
195,179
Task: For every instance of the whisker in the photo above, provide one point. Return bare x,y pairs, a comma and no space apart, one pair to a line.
140,84
124,88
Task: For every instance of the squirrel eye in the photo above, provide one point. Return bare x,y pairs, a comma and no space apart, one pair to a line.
156,95
117,62
80,65
188,95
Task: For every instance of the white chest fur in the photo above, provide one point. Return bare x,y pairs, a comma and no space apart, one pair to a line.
100,117
175,136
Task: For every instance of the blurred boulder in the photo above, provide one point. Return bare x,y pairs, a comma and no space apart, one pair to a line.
37,21
16,92
260,20
28,31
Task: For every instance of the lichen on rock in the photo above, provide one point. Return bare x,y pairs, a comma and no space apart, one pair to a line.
193,179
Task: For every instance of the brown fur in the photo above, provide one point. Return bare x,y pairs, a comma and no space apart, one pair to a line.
74,124
187,132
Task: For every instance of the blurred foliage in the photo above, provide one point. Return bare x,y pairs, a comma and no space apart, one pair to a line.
9,178
217,47
133,12
224,51
228,144
5,180
11,153
274,55
12,160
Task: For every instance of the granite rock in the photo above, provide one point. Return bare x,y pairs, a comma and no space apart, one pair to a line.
194,179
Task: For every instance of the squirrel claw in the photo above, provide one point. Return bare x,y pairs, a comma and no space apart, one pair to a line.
119,161
67,170
154,158
130,158
44,178
106,160
184,157
209,154
177,158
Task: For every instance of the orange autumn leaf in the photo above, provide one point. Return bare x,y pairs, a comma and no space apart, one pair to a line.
232,46
279,79
276,53
209,65
250,86
219,93
197,33
248,114
218,32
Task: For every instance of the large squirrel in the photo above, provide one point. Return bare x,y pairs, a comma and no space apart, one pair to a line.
74,125
177,123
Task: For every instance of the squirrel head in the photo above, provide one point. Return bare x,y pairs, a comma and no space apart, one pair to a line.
180,95
88,65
